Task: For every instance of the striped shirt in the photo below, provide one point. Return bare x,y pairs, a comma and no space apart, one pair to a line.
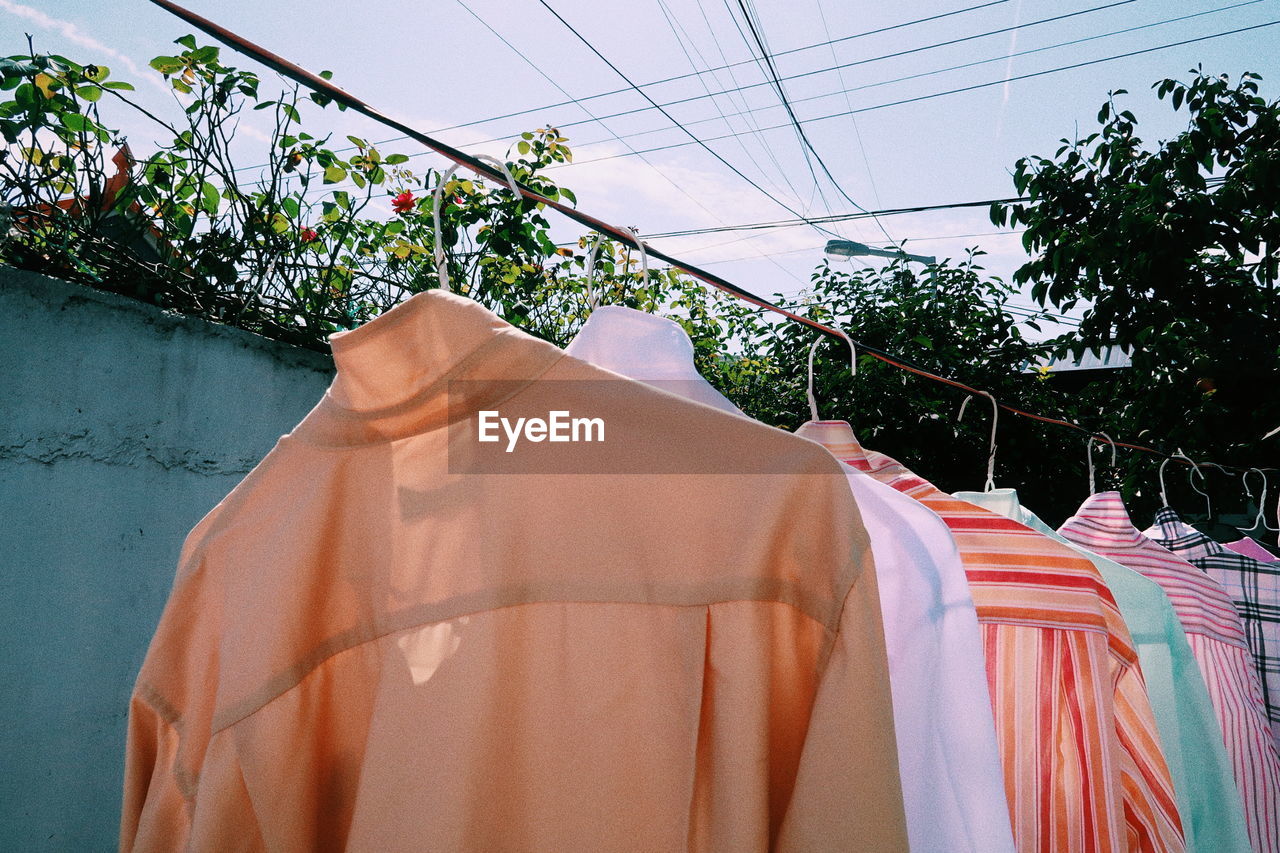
1254,587
1082,760
1217,640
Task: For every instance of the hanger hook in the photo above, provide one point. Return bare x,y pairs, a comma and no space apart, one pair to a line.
511,181
442,267
1164,494
644,256
813,348
1260,521
1195,469
1088,449
995,420
593,298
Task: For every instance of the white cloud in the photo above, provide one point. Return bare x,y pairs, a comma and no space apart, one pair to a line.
75,35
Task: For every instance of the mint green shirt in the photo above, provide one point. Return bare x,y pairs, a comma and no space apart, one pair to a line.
1208,799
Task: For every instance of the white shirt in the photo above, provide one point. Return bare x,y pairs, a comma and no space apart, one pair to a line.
952,778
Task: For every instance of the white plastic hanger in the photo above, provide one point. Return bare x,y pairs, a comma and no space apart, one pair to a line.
1260,523
991,454
437,195
813,348
1088,449
1164,494
442,268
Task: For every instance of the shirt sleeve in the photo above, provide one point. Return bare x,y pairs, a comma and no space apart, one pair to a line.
848,794
156,809
170,714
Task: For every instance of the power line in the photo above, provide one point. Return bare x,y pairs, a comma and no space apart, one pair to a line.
673,120
677,29
962,89
480,167
646,160
851,112
578,102
674,78
804,137
922,74
839,217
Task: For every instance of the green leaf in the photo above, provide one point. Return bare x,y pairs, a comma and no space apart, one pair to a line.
89,93
167,64
334,174
118,85
396,159
358,179
74,122
188,41
326,75
210,198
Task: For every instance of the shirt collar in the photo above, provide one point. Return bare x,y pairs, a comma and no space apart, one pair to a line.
434,358
1003,501
1170,527
1105,512
837,437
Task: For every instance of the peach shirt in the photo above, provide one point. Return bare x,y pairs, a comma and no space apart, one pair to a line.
366,648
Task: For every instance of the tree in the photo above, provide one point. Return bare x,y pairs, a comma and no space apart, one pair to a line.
1173,249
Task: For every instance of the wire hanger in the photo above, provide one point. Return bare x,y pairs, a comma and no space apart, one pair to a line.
593,298
437,196
1260,523
991,454
813,349
1088,449
644,255
1164,494
442,267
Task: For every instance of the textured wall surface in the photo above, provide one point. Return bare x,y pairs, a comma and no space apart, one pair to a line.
120,427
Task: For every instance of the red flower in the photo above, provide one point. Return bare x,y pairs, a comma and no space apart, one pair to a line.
308,235
403,203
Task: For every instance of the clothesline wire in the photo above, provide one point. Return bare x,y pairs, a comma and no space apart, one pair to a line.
322,86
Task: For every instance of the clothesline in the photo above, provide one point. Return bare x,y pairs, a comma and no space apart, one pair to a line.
322,86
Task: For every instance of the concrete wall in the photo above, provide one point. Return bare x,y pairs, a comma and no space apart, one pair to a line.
120,427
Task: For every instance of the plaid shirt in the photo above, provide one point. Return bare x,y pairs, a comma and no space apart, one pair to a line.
1253,586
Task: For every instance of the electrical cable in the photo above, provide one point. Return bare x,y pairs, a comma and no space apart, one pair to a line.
850,112
646,160
740,89
804,137
922,74
672,79
673,120
480,167
977,86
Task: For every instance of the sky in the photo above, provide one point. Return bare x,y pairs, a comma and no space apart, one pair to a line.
871,83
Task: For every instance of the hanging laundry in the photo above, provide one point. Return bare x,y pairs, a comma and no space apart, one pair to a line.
1254,589
952,782
1082,760
367,648
1217,640
1208,799
1250,548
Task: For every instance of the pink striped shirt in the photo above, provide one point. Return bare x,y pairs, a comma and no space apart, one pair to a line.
1217,639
